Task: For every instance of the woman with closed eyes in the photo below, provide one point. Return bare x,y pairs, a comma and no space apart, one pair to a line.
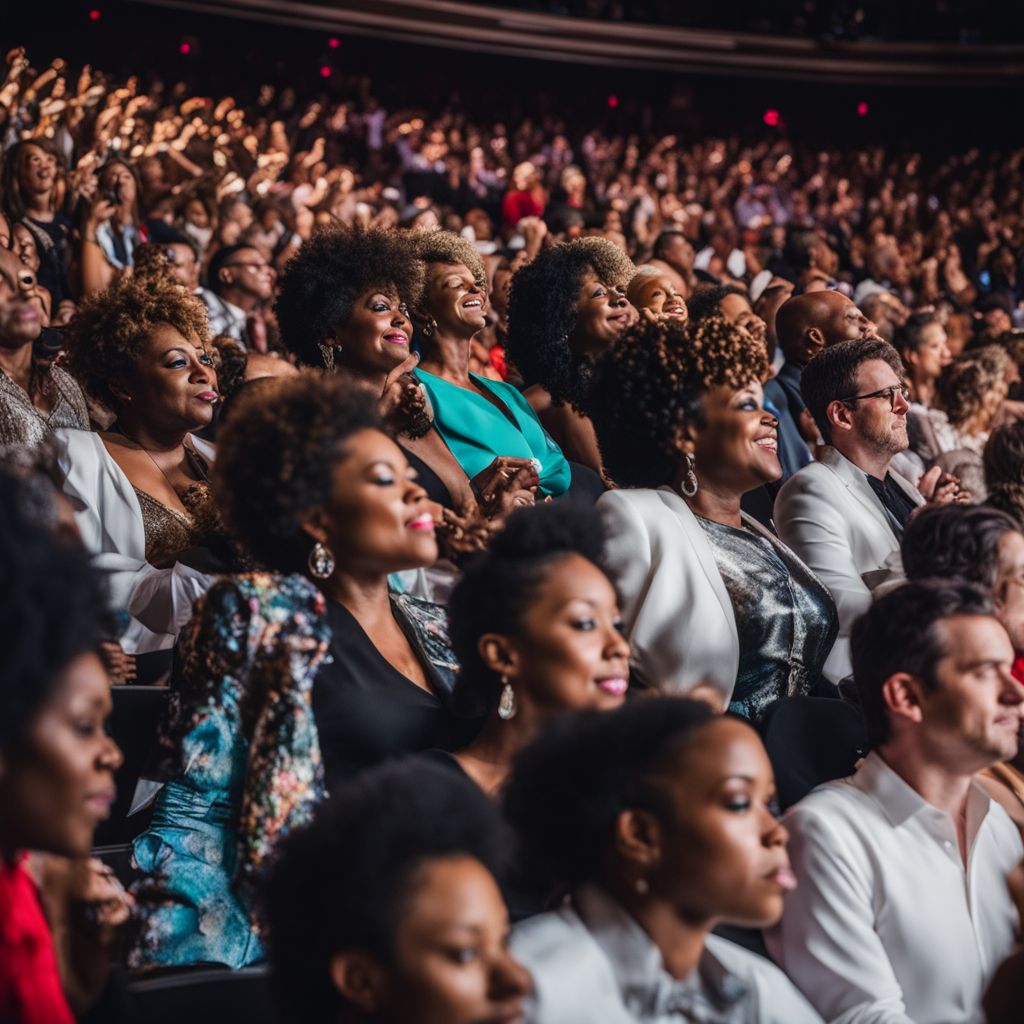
291,679
567,307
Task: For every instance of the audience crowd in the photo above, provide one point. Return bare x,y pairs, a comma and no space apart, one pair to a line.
497,512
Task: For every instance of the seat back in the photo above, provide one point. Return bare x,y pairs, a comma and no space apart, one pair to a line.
206,996
811,740
134,722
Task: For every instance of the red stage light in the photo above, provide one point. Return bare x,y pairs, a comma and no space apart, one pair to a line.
185,49
334,42
613,101
325,71
862,109
94,15
771,117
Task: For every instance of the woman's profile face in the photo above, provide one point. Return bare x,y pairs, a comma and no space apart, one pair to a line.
174,385
723,854
58,784
602,314
570,653
376,337
455,300
378,519
932,354
736,445
451,963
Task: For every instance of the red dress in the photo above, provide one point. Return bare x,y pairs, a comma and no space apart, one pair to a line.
30,988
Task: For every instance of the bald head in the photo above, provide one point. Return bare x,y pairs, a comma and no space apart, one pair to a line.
807,323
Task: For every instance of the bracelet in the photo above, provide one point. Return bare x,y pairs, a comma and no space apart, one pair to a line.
90,238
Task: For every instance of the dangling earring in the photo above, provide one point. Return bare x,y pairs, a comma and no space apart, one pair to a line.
429,327
689,487
507,703
320,561
642,887
327,354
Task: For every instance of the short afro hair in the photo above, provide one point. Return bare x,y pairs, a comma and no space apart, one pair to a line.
443,247
343,882
52,604
955,542
542,312
275,455
571,783
832,375
331,270
649,385
707,301
111,328
498,585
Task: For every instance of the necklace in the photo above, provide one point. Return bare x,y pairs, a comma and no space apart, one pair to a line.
196,463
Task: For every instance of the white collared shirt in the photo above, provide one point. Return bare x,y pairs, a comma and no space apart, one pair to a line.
593,964
886,925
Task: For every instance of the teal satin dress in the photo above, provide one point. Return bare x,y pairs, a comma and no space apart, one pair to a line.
477,432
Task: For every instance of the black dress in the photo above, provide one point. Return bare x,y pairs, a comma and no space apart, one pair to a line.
366,711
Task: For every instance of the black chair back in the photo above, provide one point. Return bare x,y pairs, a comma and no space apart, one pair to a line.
134,722
811,740
205,996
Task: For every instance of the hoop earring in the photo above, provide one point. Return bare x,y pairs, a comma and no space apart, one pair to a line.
327,354
507,703
320,561
689,485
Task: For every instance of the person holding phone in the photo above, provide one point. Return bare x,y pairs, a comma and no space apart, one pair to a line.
111,228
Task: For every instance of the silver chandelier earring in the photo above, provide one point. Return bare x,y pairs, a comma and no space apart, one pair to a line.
327,354
689,486
507,703
320,561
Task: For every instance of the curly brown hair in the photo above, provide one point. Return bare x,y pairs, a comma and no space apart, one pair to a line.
444,247
276,452
652,383
111,328
964,386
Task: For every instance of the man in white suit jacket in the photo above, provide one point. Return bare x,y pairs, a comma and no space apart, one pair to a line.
844,514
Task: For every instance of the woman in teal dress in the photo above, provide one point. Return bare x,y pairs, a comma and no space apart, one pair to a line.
479,419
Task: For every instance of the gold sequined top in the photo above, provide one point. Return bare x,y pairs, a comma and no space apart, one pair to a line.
169,531
23,423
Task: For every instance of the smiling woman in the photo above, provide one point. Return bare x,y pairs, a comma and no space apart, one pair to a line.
295,677
141,487
708,594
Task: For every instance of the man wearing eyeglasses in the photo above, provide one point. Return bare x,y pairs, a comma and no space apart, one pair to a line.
844,515
240,284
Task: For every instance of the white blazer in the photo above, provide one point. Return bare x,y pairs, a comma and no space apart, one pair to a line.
829,515
110,520
679,618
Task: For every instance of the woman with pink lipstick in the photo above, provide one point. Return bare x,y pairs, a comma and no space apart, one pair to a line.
291,679
535,625
567,307
141,487
656,820
709,595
